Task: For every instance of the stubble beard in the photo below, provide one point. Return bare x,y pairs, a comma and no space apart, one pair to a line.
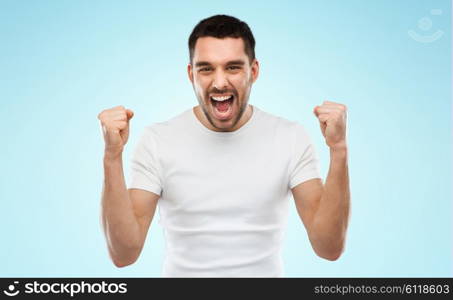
240,113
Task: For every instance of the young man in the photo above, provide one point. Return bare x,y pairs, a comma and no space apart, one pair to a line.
222,171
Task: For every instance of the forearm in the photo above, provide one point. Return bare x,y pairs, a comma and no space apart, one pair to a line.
331,219
118,219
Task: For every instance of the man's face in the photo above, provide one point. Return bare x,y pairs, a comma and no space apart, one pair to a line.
222,76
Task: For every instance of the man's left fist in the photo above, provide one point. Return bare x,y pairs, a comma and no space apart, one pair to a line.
332,119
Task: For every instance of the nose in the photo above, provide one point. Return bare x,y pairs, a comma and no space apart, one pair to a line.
220,80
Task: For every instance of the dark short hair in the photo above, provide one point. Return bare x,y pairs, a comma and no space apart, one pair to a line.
222,26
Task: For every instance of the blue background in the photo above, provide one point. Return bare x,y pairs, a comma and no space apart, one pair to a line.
62,62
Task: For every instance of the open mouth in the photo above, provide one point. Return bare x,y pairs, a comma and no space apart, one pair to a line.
222,106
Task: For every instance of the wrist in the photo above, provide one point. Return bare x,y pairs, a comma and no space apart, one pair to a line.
113,157
340,149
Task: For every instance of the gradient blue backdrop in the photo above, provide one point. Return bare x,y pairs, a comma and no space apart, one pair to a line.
62,62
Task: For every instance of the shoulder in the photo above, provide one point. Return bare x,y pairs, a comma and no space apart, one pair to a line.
281,124
170,126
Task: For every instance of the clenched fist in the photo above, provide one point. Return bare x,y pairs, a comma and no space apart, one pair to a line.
332,120
115,127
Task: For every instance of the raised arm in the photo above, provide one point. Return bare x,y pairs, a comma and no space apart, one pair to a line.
125,214
325,209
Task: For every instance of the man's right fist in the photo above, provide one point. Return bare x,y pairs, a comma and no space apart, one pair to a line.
115,127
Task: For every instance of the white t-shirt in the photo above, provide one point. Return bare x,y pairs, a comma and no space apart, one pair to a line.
224,195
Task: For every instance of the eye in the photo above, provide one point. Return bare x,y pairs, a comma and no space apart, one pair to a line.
233,68
205,69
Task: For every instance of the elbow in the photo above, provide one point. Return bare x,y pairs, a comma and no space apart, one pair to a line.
126,259
332,254
121,263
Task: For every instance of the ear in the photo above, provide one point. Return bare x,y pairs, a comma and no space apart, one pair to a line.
190,72
255,70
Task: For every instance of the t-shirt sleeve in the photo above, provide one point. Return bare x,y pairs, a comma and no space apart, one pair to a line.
145,172
304,162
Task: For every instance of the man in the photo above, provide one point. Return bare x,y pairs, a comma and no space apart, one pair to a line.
222,171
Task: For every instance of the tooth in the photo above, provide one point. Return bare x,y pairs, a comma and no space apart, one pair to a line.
222,98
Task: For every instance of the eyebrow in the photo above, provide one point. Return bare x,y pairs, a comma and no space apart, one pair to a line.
231,62
202,64
236,62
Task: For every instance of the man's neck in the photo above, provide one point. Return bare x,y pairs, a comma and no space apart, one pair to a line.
203,120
